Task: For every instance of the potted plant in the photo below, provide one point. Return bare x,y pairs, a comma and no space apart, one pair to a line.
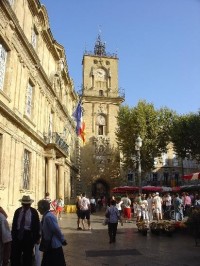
142,227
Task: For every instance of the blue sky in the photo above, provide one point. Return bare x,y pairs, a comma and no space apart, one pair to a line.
157,42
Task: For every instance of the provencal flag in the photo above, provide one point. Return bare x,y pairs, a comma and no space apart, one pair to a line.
80,125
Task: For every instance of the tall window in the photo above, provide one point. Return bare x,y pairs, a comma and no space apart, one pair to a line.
50,124
29,100
101,123
3,56
26,172
34,38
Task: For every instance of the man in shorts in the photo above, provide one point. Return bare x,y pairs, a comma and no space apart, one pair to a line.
84,204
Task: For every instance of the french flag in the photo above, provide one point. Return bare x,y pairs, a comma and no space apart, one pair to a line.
80,124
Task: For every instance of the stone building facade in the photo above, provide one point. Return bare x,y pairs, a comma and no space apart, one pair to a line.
101,98
39,150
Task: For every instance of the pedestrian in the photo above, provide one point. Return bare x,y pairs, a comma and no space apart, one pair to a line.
126,208
150,207
78,213
59,207
93,204
137,207
84,205
5,239
197,201
168,203
119,203
25,233
187,203
52,237
99,203
144,208
178,208
52,207
113,215
157,201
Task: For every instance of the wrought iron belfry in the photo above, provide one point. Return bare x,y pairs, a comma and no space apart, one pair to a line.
100,47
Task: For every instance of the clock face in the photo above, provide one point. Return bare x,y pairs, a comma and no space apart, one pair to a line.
100,73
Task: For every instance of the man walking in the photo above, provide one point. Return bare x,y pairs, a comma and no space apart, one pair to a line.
84,204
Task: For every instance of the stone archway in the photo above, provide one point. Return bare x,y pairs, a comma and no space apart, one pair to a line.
100,188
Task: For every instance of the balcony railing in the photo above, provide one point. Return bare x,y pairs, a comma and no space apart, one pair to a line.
55,139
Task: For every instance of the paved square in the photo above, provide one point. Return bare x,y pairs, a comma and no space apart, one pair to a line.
112,253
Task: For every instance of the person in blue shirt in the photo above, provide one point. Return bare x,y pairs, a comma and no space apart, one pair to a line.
52,234
113,215
178,208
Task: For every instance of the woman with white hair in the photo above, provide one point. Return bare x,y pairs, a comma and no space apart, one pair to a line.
52,237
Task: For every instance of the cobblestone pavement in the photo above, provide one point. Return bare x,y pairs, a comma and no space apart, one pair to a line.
92,248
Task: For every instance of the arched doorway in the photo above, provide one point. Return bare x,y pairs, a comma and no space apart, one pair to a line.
100,189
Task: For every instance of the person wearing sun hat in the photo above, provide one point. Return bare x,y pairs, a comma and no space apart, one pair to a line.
157,201
25,232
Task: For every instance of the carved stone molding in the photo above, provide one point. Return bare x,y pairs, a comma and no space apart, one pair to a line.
101,145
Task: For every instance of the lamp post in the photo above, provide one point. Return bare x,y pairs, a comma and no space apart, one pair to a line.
138,145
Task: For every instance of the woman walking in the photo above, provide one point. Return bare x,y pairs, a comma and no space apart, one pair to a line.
52,237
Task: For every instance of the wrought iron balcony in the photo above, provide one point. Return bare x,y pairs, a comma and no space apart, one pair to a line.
56,140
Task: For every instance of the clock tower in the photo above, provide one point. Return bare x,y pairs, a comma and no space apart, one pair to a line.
101,98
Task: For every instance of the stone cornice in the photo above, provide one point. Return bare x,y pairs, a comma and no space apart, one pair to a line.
112,100
34,5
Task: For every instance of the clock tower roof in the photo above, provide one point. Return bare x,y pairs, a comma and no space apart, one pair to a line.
100,47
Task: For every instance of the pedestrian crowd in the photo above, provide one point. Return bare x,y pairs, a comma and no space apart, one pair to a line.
168,206
29,235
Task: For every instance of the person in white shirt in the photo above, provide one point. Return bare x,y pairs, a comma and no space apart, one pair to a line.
150,207
158,206
144,208
84,205
126,208
5,240
119,203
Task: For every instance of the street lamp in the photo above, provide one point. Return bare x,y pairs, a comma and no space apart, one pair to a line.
138,145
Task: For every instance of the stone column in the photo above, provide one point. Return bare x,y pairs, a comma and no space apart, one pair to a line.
49,177
61,180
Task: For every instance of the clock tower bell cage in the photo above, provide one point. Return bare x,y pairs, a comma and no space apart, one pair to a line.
101,98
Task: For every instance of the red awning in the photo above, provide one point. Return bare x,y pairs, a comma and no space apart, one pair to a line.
152,189
193,176
124,189
176,189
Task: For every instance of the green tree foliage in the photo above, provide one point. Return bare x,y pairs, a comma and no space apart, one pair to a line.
152,125
185,134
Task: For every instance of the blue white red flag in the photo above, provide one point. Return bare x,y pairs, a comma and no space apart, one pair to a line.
80,125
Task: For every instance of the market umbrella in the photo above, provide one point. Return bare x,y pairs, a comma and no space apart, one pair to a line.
190,187
192,176
166,189
176,189
124,189
152,189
